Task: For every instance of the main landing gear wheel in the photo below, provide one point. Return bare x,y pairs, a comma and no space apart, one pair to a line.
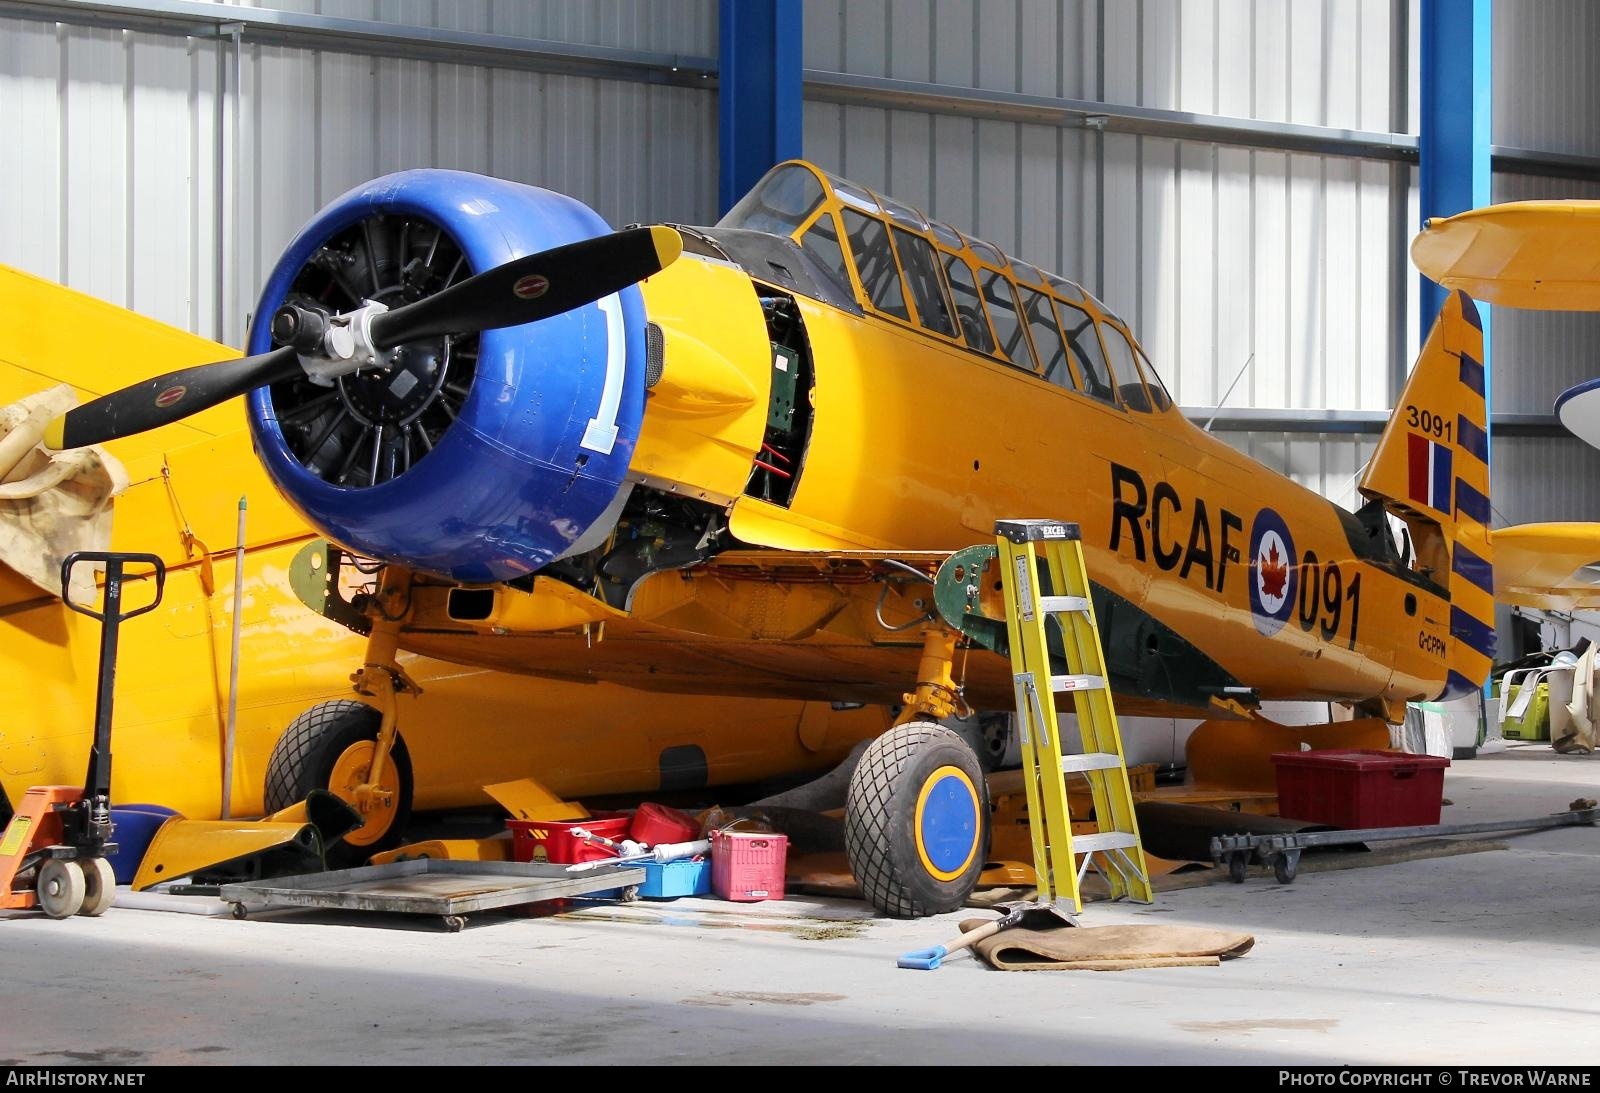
100,887
330,746
916,822
60,888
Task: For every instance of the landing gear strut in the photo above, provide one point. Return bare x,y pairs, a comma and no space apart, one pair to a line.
917,814
354,748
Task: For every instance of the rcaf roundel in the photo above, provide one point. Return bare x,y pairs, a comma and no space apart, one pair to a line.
1274,572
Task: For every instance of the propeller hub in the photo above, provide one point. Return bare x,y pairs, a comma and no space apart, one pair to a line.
398,394
302,328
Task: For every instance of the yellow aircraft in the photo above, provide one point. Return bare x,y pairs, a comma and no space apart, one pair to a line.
294,666
1542,256
737,472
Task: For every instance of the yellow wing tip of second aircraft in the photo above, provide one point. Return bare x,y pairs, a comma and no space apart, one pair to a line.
1527,254
668,244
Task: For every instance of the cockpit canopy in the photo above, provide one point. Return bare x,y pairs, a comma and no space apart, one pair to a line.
896,263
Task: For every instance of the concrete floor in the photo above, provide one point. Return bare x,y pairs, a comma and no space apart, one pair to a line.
1481,958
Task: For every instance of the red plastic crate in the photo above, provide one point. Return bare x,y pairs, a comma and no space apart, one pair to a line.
747,866
1360,787
653,824
546,840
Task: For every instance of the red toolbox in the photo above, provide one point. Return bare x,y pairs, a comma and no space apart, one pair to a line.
1360,787
748,865
552,841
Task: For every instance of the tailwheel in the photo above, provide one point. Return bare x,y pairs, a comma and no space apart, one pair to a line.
916,821
100,887
60,888
330,746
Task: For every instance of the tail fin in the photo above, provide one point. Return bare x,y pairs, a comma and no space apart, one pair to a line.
1431,469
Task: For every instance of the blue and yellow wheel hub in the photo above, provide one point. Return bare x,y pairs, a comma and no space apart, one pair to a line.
947,823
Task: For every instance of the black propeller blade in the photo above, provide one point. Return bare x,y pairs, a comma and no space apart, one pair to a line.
534,287
520,291
165,399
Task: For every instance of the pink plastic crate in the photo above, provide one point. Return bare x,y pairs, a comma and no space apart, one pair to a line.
748,865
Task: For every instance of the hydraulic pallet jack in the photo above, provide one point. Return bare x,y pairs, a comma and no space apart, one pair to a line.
53,853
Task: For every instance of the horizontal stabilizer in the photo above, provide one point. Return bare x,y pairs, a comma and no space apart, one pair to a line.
1551,567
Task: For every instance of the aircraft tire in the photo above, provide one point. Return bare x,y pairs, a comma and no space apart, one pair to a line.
916,827
988,735
320,750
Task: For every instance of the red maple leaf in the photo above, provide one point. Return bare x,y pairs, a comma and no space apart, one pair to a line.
1273,573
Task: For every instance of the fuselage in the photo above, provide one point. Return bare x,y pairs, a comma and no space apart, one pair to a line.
1172,518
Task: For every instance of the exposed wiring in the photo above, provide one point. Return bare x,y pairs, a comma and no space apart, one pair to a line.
369,568
912,570
396,617
918,621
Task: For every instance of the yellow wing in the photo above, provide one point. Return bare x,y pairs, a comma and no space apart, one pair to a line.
1552,567
1532,254
51,334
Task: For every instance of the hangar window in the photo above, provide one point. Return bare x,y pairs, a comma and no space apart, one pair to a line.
1047,339
779,205
969,305
1002,301
821,241
1084,345
927,287
875,265
1120,356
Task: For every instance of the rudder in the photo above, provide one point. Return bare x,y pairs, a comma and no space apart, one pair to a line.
1431,469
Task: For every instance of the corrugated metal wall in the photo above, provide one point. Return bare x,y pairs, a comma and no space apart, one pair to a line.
119,127
1214,254
668,26
1547,81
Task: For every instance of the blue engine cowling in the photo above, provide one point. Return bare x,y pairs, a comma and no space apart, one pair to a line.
535,453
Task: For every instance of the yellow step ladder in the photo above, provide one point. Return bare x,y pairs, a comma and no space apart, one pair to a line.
1114,850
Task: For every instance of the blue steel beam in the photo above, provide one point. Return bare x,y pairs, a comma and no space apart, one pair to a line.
1453,135
758,96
